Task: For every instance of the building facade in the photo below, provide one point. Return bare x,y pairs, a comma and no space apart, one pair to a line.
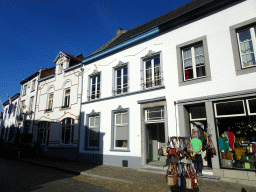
192,67
58,107
11,127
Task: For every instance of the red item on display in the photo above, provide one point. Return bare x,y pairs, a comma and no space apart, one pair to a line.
231,139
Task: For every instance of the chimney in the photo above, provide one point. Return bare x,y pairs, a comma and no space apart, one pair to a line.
120,32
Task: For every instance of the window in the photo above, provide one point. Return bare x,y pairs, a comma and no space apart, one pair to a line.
232,108
247,46
33,85
193,61
120,129
243,38
152,75
50,101
66,98
31,104
121,80
61,68
93,131
154,114
25,90
95,86
43,132
14,110
5,114
67,131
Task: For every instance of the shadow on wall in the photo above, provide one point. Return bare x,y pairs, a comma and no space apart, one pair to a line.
67,150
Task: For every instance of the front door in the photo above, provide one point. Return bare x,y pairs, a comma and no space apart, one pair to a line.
156,140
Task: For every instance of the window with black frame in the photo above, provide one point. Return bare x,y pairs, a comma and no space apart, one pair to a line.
236,128
67,131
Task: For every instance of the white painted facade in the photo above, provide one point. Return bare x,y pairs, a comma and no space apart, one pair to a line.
28,97
10,120
57,84
222,79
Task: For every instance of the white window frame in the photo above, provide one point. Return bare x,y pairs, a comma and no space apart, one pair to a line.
64,99
147,111
232,115
122,79
253,39
31,102
122,124
152,71
190,115
48,101
97,95
71,138
25,89
192,48
33,85
95,127
248,106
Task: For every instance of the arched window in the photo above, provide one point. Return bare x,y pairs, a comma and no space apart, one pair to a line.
67,130
49,106
66,95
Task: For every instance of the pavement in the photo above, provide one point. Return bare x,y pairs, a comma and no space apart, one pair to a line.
129,175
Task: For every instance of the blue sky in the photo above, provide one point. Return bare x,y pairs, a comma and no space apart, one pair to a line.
34,31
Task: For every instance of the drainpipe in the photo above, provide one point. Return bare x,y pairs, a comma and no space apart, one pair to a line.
176,117
79,130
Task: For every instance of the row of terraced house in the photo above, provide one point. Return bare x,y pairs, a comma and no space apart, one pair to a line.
192,67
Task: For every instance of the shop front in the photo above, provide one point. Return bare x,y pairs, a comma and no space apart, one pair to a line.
236,132
231,120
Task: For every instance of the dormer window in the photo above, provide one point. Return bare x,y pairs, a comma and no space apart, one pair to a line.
61,68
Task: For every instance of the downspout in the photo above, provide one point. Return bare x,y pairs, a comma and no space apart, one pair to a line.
79,129
36,101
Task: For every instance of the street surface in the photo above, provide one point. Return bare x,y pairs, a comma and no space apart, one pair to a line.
19,176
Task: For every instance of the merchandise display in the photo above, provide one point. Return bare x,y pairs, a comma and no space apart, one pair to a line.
237,142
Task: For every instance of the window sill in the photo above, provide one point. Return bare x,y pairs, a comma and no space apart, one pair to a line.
154,87
120,150
92,149
65,107
193,81
48,110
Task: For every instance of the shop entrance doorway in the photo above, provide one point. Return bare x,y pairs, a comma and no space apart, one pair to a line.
155,140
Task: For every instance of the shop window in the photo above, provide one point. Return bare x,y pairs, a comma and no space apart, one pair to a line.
197,113
236,129
252,106
154,114
232,108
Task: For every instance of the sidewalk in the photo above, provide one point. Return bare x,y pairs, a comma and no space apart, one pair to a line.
130,176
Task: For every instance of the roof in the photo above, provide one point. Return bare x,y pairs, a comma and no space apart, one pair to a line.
47,72
72,57
12,99
29,78
187,9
